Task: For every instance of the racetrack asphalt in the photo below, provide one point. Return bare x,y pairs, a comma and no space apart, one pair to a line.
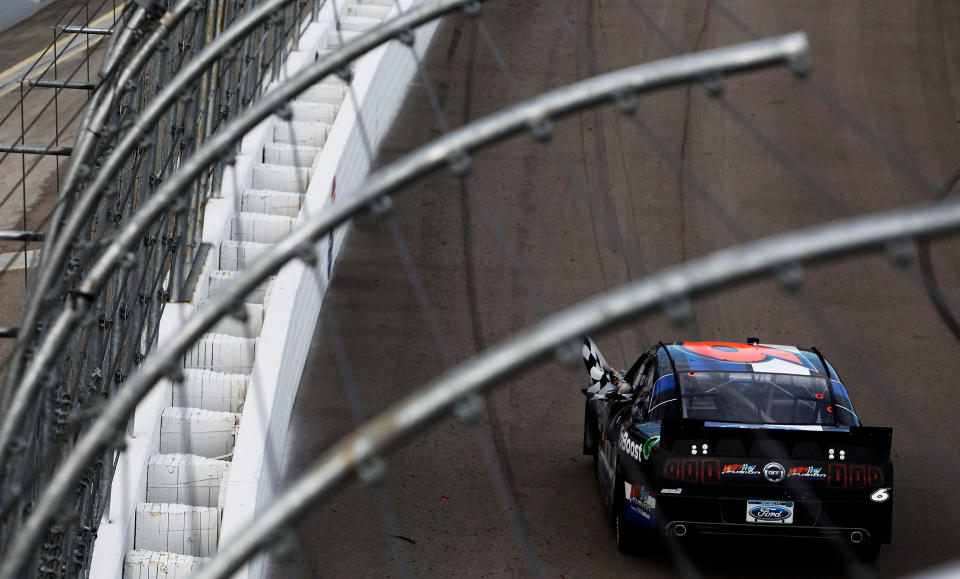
24,51
894,63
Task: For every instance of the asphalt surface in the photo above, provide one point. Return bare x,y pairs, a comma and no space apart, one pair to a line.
26,203
894,63
26,45
25,52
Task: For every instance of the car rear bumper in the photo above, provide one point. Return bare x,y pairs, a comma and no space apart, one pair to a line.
848,521
850,534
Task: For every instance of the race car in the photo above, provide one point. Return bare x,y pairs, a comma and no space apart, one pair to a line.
701,438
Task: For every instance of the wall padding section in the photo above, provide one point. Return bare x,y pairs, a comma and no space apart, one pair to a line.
153,565
222,353
381,82
212,390
177,528
208,433
185,478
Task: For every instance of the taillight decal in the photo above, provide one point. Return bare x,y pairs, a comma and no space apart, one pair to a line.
858,476
671,470
710,471
838,475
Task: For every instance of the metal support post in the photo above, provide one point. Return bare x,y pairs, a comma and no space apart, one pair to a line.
45,83
86,30
35,150
14,235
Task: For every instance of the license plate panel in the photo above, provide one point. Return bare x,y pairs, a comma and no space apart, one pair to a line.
770,512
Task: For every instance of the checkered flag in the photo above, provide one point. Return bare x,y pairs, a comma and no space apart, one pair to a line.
603,378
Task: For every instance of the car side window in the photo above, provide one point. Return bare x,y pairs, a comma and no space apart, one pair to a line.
664,403
643,386
637,381
663,398
635,372
647,379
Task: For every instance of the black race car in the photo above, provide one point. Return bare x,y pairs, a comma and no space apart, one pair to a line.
728,438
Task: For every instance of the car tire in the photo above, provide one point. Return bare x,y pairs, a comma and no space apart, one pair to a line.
626,533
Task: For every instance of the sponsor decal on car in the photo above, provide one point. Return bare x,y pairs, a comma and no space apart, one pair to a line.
880,495
733,352
747,470
648,446
780,512
670,491
640,505
814,472
774,472
777,360
630,447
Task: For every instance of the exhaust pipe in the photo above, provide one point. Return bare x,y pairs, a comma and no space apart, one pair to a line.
680,530
856,537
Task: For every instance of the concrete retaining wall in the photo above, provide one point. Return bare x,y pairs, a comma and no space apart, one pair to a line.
288,317
380,85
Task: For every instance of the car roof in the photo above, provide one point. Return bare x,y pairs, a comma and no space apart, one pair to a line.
738,357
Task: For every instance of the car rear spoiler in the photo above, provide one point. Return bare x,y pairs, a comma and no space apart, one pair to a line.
858,443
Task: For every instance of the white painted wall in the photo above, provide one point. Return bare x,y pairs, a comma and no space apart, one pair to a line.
293,307
380,84
115,535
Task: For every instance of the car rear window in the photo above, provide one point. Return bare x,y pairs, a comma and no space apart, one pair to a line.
761,398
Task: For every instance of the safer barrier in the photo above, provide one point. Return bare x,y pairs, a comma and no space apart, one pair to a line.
286,323
380,84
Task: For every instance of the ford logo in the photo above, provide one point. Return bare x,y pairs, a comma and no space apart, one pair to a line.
770,513
774,472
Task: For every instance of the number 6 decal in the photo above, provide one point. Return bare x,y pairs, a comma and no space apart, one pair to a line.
880,495
731,352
